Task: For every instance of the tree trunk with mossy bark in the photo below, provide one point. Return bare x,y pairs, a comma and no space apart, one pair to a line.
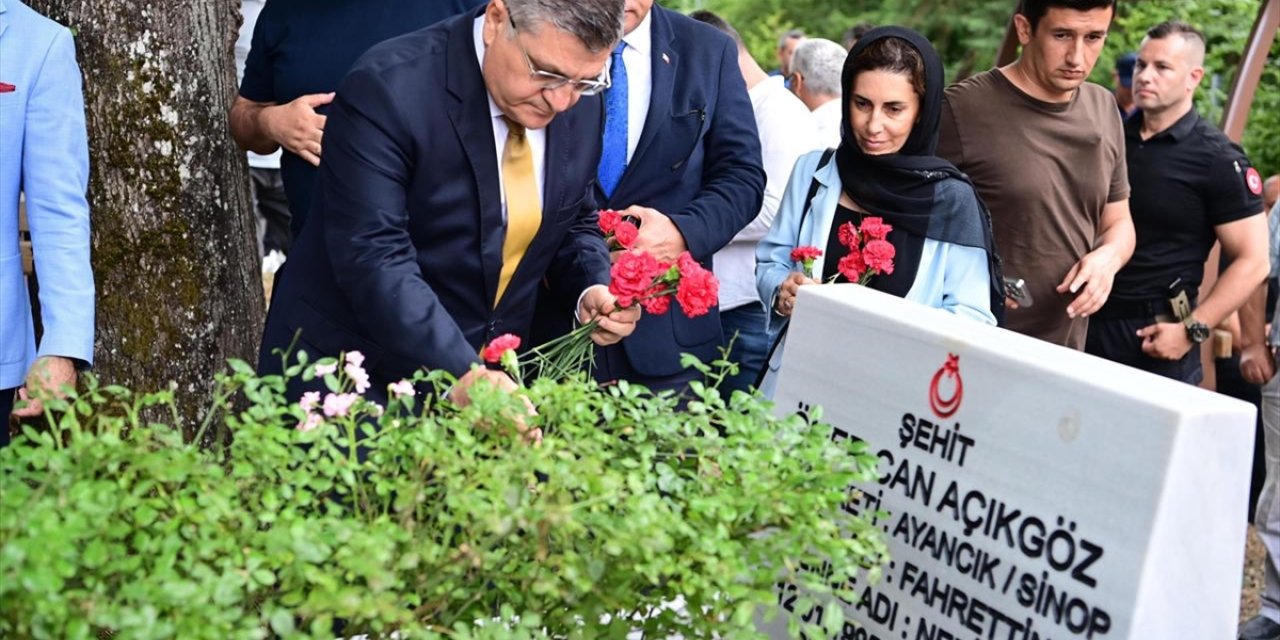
175,255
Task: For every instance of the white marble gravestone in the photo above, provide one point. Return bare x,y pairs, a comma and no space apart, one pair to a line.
1032,491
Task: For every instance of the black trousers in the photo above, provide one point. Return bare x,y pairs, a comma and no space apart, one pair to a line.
6,407
613,364
1116,340
272,207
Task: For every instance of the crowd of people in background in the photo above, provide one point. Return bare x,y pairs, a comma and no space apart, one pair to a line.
433,173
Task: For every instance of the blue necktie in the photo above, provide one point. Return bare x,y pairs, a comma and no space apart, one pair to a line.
613,158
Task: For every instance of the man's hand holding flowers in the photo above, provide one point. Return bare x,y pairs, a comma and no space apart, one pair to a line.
659,236
614,323
502,370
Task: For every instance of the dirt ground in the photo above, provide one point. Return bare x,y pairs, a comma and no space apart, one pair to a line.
1252,581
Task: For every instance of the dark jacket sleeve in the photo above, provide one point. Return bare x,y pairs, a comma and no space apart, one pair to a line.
733,175
582,259
362,205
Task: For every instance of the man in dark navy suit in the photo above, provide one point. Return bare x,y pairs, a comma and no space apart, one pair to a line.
682,155
455,178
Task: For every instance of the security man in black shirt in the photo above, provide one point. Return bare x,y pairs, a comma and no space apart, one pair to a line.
1190,186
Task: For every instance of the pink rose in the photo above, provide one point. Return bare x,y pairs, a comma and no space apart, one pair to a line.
402,389
358,376
309,401
338,404
310,422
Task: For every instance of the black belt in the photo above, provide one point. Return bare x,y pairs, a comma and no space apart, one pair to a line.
1115,309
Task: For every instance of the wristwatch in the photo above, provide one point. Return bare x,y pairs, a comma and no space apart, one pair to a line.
1196,330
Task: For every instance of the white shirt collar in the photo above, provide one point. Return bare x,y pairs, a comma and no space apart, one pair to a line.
641,38
477,32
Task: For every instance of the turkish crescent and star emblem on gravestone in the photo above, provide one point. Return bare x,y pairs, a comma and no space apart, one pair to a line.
948,376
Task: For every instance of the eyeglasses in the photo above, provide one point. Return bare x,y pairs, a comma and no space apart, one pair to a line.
549,81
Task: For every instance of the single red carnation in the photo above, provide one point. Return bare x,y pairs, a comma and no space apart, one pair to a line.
631,276
878,255
686,264
625,233
656,305
852,266
499,345
875,228
697,291
848,235
805,254
609,220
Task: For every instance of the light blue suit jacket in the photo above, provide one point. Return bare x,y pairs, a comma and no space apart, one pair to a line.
950,277
44,153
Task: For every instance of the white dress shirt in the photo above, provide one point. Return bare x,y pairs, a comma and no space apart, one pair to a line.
786,132
537,137
638,58
827,120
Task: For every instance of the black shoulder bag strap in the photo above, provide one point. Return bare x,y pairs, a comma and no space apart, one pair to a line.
808,204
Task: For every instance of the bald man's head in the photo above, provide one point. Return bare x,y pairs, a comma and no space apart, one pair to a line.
1271,191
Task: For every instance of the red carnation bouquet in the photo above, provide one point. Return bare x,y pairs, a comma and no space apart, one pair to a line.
870,253
635,278
619,232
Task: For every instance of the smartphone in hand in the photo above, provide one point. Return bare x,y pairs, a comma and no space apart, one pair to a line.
1016,290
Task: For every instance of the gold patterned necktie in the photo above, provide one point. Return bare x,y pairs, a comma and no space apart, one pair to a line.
524,210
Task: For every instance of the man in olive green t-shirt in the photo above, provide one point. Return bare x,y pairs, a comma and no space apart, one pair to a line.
1046,152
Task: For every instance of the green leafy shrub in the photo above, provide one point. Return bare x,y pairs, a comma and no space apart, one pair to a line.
1226,25
445,522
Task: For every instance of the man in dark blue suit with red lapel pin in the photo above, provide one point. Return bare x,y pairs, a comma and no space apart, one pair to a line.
456,177
681,154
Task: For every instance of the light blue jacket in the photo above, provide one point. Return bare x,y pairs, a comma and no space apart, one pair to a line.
951,277
44,153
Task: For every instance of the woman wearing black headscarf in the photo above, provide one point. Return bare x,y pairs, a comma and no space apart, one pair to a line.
885,167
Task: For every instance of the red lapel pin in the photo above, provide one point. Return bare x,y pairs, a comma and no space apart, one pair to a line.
5,87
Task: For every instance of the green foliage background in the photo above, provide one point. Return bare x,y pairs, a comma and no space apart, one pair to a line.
967,33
